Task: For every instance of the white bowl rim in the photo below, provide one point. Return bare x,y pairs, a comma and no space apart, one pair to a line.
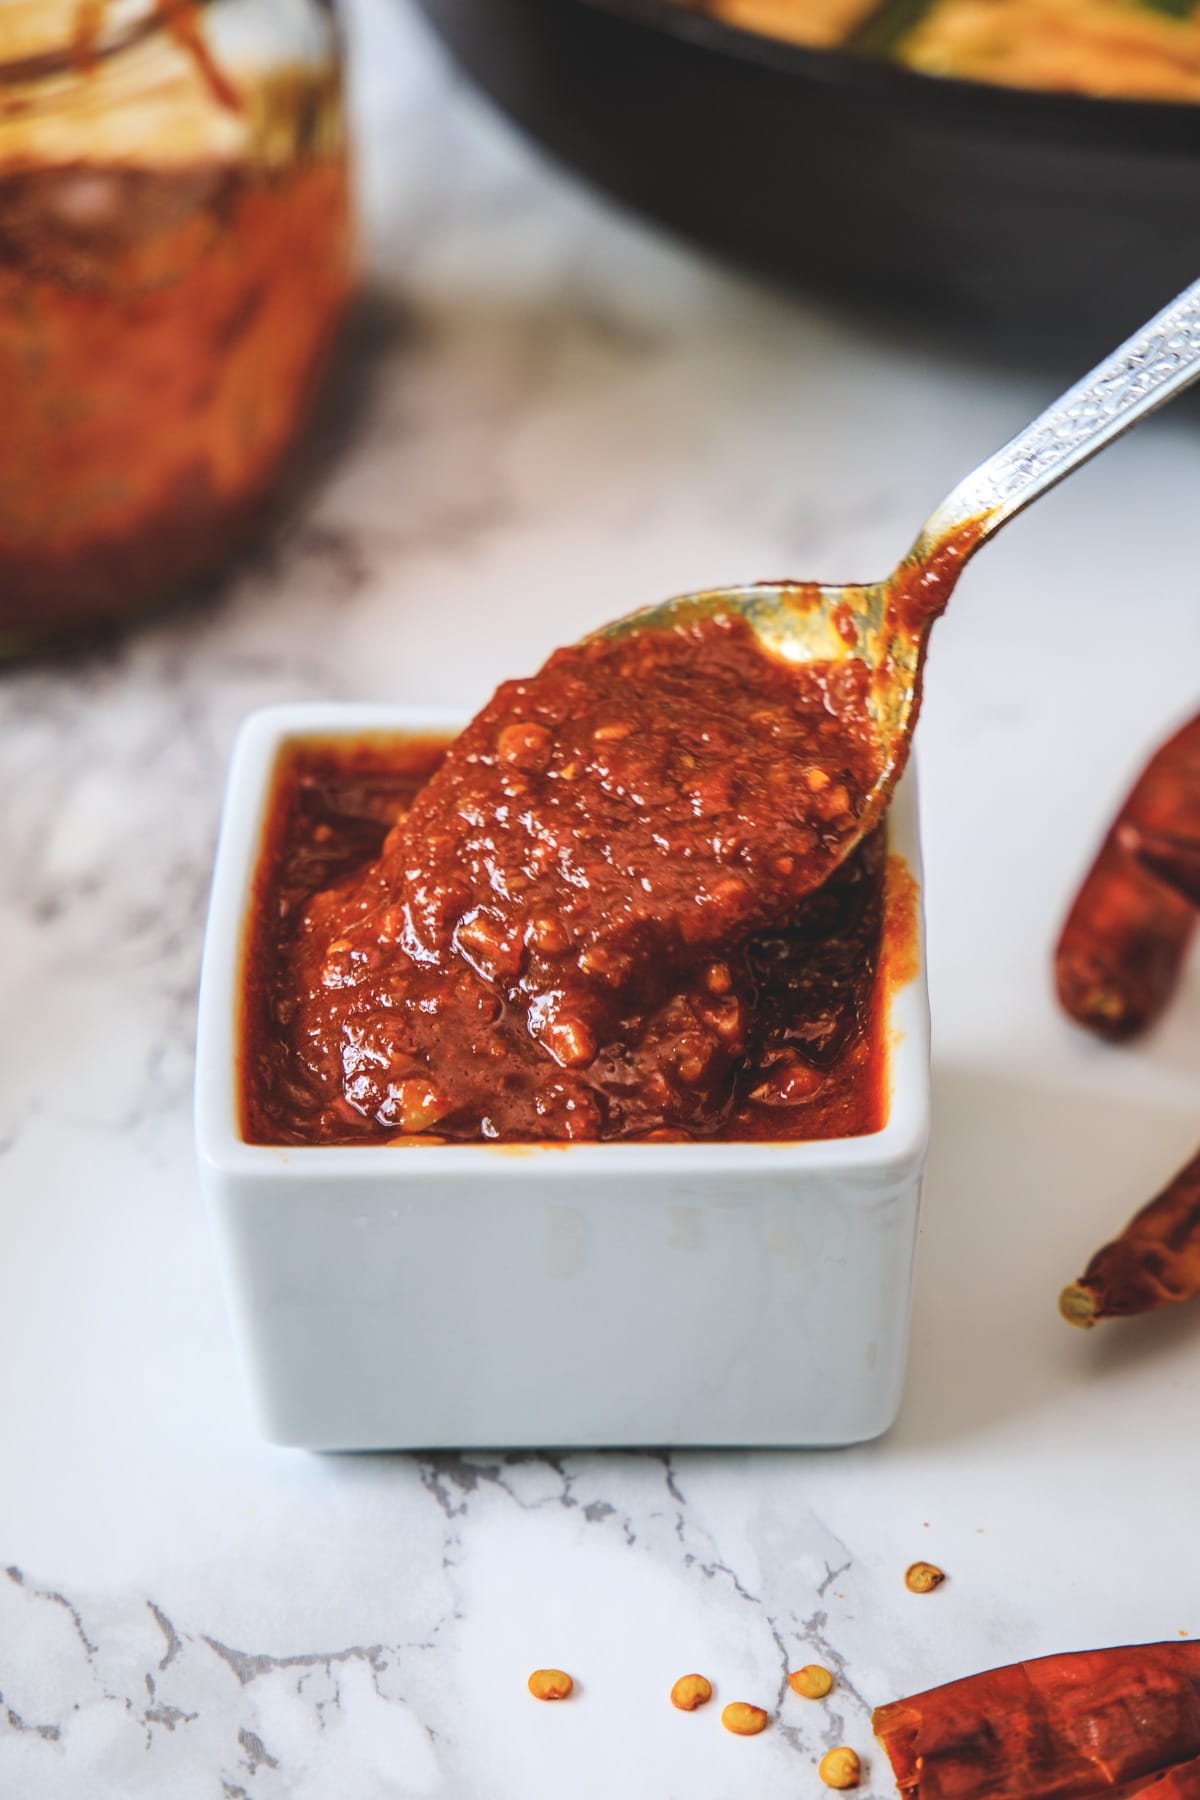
872,1162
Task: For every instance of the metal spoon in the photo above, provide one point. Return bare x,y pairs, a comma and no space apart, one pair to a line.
887,624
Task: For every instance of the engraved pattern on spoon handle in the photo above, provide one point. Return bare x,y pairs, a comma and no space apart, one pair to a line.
1148,369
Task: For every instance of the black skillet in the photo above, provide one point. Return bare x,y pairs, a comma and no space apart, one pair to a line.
1013,214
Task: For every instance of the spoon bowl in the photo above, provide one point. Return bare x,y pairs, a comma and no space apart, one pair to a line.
826,624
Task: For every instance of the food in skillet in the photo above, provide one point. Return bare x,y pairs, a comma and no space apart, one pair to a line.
822,24
1117,49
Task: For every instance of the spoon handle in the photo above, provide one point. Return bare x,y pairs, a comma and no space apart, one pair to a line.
1148,369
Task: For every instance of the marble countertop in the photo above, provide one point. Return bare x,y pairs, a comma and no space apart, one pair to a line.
554,415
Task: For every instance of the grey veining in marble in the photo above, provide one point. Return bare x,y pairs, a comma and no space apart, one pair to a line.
122,1693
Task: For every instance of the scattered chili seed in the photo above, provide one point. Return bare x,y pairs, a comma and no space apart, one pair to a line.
413,1105
833,802
717,978
524,745
812,1682
691,1691
743,1719
840,1768
923,1577
569,1042
550,1684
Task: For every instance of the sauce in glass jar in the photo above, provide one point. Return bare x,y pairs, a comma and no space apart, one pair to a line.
175,259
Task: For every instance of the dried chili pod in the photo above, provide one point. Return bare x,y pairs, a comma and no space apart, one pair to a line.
1180,1783
1154,1262
1118,959
1073,1727
1173,859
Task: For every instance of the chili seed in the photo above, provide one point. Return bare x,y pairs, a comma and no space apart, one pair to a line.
833,802
569,1041
551,1684
840,1768
743,1719
923,1577
790,1082
812,1682
691,1691
547,934
605,963
524,746
692,1055
414,1105
483,940
725,1018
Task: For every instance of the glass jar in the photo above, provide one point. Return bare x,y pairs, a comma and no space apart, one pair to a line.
175,257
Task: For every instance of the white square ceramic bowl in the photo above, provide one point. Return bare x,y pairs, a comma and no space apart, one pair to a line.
621,1294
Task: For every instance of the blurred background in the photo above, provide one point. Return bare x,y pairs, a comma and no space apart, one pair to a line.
178,237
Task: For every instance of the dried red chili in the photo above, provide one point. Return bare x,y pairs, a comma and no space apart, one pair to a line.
1180,1783
1122,947
1093,1725
1154,1262
1080,1727
1173,859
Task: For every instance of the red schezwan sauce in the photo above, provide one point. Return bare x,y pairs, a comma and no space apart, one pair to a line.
603,913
